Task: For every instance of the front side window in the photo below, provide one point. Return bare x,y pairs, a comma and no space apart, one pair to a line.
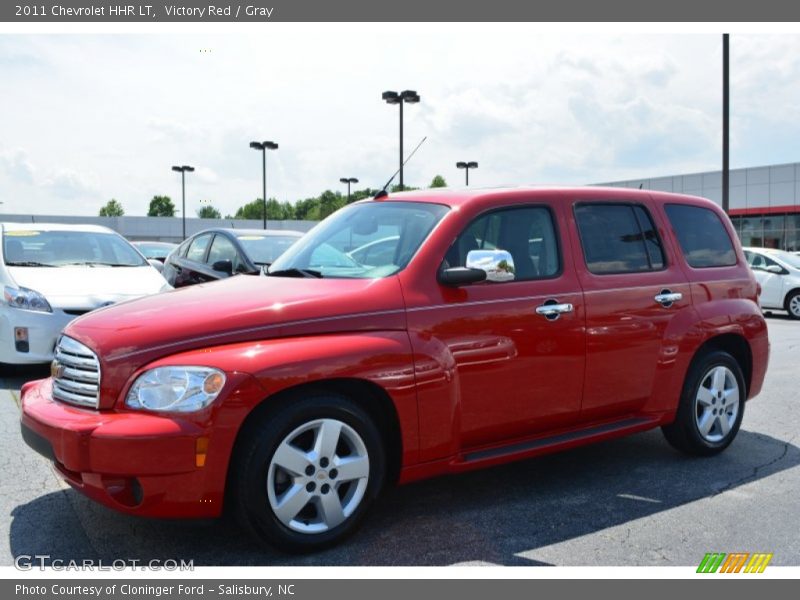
366,240
38,248
702,236
527,233
618,238
223,249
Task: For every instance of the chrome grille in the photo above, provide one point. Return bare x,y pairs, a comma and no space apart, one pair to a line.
76,374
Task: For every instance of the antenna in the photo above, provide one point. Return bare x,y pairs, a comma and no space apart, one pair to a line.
383,193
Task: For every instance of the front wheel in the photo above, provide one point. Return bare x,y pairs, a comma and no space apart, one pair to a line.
711,406
308,474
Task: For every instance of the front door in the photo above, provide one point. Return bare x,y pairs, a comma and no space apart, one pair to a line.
511,371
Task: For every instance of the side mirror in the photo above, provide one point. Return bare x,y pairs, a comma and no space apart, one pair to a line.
774,269
156,264
497,264
456,276
223,266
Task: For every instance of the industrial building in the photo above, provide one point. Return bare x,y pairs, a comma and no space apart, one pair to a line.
764,201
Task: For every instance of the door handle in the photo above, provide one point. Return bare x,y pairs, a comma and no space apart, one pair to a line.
667,298
551,309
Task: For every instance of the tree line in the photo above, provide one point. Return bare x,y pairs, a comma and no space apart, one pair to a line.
307,209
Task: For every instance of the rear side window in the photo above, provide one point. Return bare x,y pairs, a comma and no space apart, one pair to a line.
618,238
197,250
702,236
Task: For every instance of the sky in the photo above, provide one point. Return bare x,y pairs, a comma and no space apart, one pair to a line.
85,118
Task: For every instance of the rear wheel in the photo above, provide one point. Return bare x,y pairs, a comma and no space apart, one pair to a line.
793,304
308,474
711,405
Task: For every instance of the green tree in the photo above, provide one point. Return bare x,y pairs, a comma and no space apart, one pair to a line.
208,212
438,182
161,206
330,202
307,209
255,210
112,209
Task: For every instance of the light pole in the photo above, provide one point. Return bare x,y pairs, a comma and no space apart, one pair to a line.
467,166
183,170
726,111
264,146
348,181
409,96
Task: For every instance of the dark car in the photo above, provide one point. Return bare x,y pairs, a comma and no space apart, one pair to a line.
219,253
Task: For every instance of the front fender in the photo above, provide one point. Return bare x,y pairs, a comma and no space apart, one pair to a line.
383,358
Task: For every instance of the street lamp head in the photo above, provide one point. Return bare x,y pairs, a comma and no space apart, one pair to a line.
391,97
187,168
472,164
270,145
353,180
178,169
461,165
256,145
410,96
344,180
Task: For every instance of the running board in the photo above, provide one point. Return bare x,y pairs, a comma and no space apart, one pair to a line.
554,440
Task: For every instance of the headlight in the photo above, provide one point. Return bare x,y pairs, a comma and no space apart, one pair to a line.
26,299
175,389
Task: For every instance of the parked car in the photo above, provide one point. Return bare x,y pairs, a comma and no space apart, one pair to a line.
53,273
155,252
220,253
294,398
778,273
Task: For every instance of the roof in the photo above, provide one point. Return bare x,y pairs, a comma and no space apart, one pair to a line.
460,196
54,227
258,232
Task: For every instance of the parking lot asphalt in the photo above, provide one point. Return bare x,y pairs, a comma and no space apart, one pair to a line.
633,501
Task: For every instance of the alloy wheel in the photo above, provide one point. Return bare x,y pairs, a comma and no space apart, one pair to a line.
717,404
317,476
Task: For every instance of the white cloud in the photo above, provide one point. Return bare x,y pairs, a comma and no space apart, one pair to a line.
116,112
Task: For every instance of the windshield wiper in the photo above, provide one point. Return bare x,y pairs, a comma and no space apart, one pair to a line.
95,263
28,263
295,273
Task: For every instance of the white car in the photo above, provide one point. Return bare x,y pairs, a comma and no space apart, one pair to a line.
778,273
50,274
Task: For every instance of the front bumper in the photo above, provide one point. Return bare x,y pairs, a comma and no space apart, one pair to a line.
141,464
43,330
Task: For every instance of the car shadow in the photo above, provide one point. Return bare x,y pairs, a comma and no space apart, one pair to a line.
490,515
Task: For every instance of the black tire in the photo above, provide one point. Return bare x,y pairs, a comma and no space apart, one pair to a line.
255,452
684,433
788,306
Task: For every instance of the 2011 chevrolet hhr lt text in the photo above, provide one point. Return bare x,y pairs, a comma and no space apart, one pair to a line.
404,337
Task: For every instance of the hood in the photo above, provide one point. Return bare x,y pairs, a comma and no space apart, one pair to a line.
238,309
77,287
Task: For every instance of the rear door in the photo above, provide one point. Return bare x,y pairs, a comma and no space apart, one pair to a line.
633,290
191,269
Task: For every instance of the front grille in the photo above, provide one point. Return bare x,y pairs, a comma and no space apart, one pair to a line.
76,374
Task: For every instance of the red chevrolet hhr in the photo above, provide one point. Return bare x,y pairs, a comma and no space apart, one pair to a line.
405,337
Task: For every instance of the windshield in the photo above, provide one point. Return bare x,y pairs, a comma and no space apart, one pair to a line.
264,249
34,248
790,259
362,241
